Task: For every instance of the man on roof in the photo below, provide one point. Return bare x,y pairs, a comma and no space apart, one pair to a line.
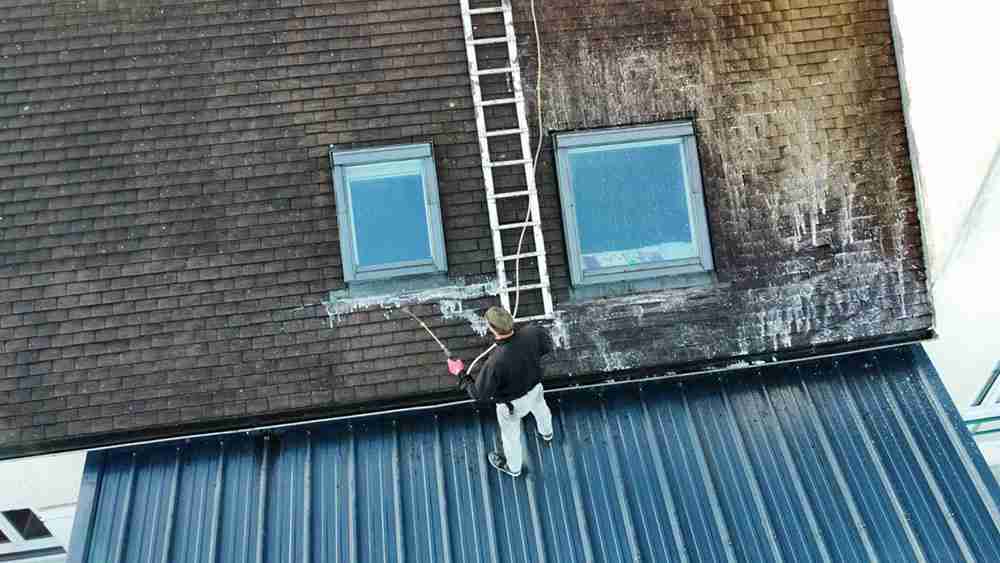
511,378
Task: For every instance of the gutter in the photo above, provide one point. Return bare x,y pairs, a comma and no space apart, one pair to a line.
451,399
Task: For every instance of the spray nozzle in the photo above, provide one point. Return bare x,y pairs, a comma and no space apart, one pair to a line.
455,366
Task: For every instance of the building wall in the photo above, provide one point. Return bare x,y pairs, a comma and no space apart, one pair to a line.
958,148
967,301
170,237
48,485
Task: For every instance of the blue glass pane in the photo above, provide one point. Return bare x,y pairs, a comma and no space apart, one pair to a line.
631,203
389,213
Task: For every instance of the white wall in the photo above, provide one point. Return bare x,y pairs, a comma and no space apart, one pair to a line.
948,67
49,485
967,302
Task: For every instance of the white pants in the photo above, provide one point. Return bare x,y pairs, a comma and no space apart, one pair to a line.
510,423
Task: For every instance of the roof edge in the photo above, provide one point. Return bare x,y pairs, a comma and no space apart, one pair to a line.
435,400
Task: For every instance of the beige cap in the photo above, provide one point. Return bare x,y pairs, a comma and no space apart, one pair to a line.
500,320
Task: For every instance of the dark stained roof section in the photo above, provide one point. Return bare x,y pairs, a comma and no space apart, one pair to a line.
854,458
168,231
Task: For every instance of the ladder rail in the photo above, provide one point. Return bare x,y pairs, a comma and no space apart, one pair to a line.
477,98
529,169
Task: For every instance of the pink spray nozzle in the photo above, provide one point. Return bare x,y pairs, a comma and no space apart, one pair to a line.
455,366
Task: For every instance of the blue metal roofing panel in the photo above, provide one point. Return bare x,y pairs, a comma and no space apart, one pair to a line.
857,458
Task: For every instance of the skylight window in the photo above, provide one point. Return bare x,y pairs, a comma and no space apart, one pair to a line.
632,203
23,536
388,212
27,524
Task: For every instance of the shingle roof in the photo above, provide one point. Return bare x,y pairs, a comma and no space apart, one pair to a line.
168,234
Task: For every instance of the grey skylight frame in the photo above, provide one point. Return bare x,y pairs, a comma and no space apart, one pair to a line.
699,223
339,161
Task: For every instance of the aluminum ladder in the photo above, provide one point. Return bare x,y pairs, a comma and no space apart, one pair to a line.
505,261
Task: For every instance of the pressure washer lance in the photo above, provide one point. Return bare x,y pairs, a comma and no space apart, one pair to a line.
455,365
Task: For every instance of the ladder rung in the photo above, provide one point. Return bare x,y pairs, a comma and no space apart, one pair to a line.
531,318
509,226
526,287
518,256
501,70
505,195
489,40
501,132
509,162
478,11
501,101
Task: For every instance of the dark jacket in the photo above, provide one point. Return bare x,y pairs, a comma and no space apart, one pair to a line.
512,369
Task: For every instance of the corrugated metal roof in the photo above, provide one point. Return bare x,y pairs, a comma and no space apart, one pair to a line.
857,458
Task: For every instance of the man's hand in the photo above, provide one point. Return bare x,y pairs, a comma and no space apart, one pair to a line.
455,366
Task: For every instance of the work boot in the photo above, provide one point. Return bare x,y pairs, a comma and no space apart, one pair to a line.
498,461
